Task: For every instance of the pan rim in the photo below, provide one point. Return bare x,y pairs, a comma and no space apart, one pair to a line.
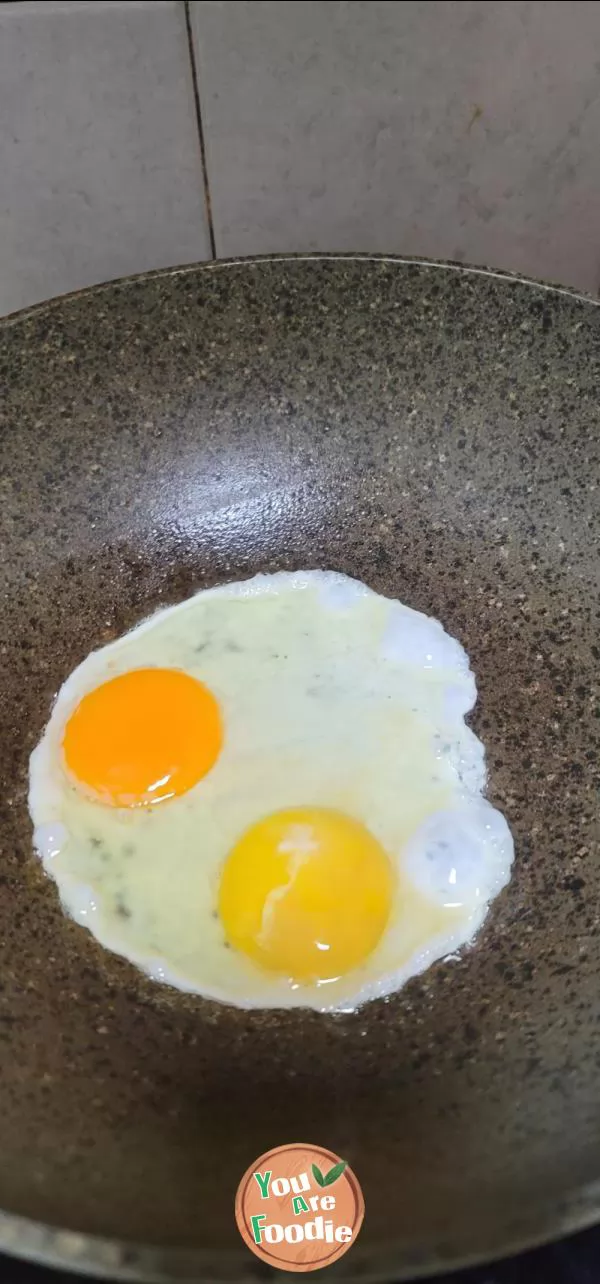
58,1247
97,1256
257,260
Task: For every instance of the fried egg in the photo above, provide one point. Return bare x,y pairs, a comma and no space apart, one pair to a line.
268,795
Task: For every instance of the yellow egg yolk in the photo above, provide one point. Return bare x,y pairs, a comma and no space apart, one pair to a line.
306,893
143,737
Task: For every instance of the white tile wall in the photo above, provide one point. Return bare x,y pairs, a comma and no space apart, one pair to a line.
450,128
459,128
99,160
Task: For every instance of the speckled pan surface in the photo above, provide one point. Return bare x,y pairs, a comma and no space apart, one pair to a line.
434,432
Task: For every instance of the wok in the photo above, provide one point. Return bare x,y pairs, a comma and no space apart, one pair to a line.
433,431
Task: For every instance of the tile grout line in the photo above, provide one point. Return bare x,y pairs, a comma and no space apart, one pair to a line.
200,127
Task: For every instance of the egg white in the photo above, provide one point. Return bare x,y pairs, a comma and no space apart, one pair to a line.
331,695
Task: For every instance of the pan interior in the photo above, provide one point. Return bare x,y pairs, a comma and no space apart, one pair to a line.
432,432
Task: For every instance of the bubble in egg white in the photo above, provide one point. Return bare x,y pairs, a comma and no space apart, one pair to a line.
444,856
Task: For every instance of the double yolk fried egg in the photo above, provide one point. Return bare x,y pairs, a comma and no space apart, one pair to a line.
268,795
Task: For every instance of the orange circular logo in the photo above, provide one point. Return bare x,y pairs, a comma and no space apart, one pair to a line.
299,1207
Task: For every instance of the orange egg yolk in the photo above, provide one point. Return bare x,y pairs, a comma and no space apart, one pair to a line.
306,893
143,737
